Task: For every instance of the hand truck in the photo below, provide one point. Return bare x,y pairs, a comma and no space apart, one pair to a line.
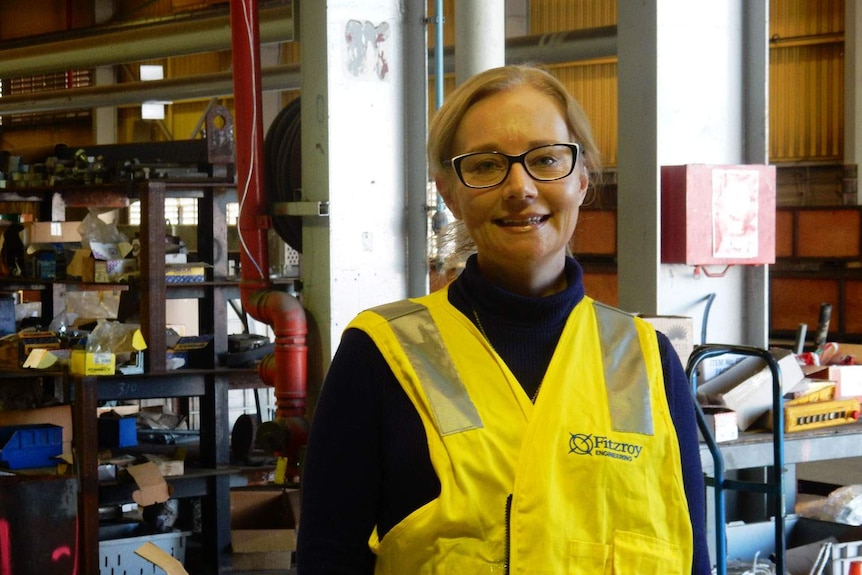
773,487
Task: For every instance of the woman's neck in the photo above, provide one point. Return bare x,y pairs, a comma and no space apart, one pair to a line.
529,280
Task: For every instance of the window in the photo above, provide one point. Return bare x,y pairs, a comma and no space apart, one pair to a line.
44,83
181,212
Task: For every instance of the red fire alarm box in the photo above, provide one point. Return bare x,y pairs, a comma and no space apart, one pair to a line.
718,214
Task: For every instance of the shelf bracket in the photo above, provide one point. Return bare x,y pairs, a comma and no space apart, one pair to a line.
318,209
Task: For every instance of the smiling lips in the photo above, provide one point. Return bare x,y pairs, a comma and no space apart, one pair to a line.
531,221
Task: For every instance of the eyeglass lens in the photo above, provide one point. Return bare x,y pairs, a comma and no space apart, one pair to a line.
545,163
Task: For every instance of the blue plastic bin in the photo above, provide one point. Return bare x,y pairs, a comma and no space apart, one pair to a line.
33,445
117,432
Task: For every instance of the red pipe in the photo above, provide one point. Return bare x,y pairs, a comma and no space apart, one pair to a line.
286,368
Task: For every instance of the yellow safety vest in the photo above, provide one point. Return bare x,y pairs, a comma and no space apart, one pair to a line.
586,480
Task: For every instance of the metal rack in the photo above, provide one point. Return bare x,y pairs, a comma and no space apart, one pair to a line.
773,487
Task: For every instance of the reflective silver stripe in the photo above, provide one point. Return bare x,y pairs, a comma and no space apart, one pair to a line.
451,406
625,371
626,379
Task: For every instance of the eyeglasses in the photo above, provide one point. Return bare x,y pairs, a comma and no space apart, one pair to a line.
547,163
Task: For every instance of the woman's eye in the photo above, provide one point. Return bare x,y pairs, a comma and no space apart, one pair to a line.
544,161
487,165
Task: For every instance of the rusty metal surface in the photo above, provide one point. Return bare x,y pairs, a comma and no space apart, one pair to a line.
219,136
38,519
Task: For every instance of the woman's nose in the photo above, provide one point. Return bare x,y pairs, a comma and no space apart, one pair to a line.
518,183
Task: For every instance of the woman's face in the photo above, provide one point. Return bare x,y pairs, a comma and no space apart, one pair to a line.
520,226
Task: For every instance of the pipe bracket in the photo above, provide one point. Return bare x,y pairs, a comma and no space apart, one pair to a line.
320,209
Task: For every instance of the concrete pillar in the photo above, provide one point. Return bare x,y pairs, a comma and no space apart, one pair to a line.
684,70
364,104
480,36
517,18
104,118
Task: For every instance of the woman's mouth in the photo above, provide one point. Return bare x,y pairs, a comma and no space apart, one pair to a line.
520,222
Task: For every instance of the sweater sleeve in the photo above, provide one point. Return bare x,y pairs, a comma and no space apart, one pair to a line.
681,401
340,478
367,462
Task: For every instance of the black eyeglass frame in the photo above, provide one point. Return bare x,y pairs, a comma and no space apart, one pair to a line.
519,159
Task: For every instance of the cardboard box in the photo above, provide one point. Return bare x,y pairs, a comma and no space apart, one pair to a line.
102,263
850,349
747,387
810,391
679,331
108,271
264,522
152,487
92,270
43,358
168,465
191,351
185,273
722,423
847,378
88,363
52,232
110,251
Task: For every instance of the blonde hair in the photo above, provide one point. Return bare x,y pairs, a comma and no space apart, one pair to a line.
454,244
444,124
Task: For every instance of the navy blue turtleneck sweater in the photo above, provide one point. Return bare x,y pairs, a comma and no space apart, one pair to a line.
367,461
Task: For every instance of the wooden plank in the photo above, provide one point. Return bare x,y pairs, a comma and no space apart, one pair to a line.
797,300
602,286
784,233
829,233
596,233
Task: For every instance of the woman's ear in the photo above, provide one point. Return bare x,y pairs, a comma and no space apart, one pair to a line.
444,188
585,183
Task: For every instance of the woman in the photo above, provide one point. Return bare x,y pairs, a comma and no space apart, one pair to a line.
506,423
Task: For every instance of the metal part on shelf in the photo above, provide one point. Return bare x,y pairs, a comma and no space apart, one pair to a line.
209,157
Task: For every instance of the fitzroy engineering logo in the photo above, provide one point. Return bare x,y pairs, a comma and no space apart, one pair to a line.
602,446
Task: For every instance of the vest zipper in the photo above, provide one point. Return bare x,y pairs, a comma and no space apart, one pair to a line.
508,534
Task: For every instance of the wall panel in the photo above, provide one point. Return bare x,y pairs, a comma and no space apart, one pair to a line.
806,87
548,16
22,18
792,304
595,87
795,18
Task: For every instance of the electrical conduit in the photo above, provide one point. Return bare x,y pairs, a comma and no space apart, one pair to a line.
285,369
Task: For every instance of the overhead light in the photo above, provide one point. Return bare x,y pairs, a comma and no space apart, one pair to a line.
152,72
153,109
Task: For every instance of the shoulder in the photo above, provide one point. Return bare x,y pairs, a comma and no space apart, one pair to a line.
675,379
392,311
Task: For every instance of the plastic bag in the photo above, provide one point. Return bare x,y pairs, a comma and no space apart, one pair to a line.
92,229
